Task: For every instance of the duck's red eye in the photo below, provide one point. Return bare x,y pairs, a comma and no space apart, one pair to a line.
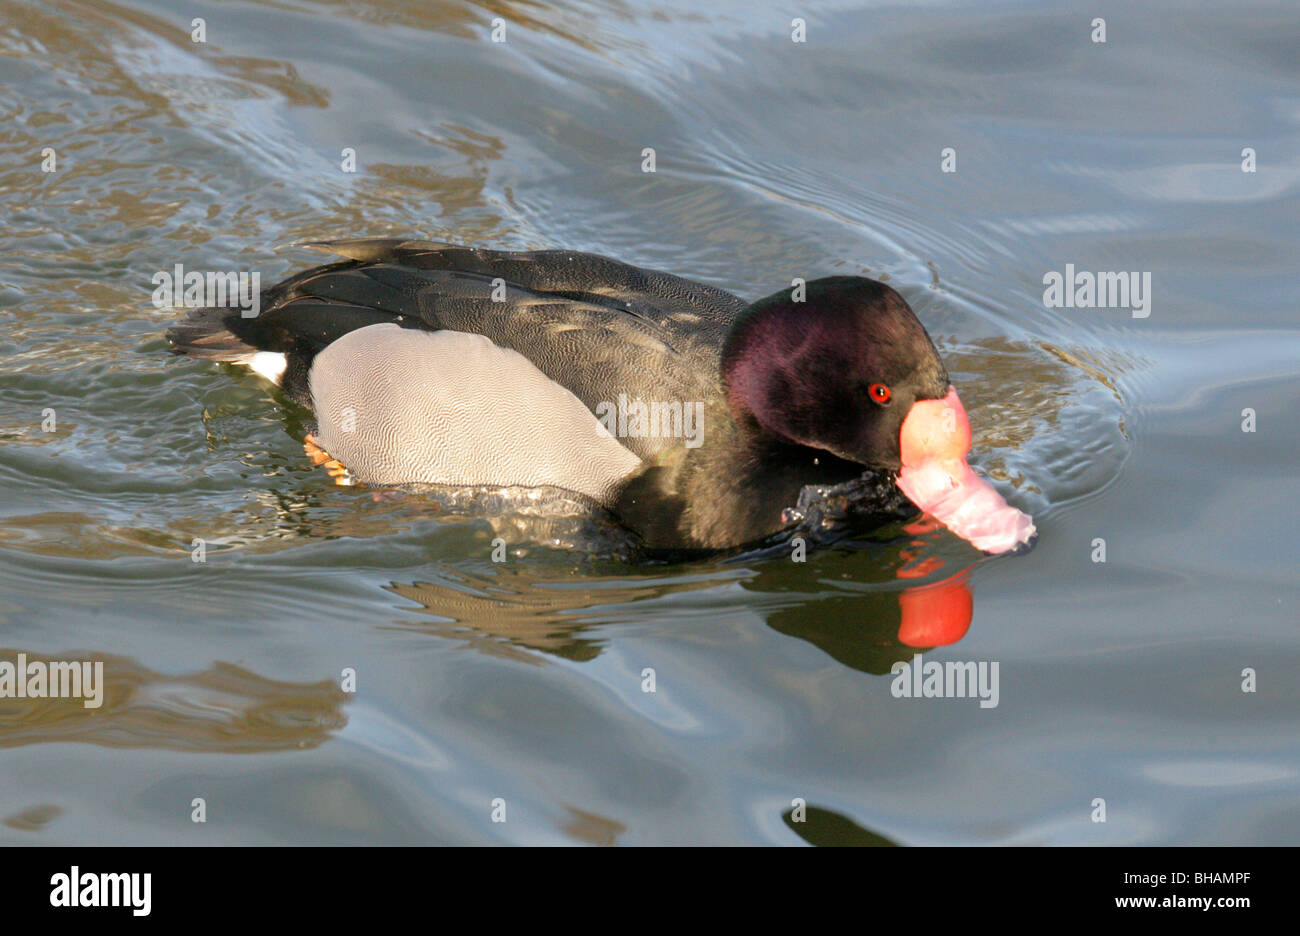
879,392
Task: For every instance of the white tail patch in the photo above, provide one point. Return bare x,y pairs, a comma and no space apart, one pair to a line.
268,364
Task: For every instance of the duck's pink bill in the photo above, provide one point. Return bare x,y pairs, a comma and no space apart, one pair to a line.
934,440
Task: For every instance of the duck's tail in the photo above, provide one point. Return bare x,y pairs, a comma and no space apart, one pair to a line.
207,334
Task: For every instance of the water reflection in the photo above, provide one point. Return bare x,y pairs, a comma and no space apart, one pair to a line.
592,829
223,708
33,818
855,611
851,605
826,827
506,612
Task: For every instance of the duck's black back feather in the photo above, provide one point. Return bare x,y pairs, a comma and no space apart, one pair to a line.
598,327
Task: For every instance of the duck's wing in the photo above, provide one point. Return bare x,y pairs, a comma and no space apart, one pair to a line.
670,301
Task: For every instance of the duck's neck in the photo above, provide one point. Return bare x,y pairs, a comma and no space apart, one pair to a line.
730,491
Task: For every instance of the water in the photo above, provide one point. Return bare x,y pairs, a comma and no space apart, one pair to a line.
523,680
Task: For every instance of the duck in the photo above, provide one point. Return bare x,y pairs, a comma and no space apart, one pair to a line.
692,416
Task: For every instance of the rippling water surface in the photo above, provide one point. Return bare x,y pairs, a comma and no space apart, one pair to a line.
525,680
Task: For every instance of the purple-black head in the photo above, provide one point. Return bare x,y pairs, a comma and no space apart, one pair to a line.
838,371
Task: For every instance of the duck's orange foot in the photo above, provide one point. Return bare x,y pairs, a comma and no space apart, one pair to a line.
334,467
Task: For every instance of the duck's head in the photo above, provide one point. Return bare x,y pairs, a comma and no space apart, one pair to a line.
846,367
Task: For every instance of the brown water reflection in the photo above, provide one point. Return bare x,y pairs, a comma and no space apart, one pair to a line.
224,708
509,613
